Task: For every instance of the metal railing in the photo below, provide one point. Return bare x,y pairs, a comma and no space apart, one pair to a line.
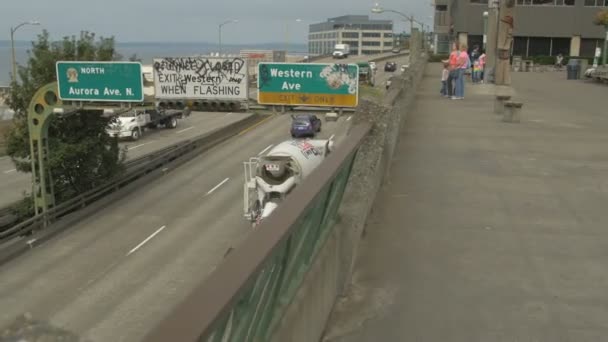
135,169
246,296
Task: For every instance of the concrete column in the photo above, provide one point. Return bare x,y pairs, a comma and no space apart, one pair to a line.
463,38
575,46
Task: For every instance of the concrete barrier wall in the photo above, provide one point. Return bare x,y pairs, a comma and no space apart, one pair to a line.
330,274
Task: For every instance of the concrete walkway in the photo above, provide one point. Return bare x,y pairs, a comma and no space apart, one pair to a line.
489,231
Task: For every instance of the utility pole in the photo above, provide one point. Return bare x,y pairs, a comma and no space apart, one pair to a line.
489,73
504,42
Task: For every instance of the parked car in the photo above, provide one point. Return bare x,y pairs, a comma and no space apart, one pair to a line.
390,66
305,125
396,50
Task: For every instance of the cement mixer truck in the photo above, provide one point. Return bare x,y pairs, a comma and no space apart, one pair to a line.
270,178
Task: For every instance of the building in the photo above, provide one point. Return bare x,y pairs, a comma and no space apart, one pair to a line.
542,27
364,36
254,57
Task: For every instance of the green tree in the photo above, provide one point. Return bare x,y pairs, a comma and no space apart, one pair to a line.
82,154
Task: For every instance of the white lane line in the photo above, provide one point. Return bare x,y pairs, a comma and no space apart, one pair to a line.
348,118
138,146
9,171
216,187
146,240
185,129
266,149
332,136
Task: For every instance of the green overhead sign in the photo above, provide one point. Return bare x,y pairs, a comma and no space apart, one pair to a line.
100,81
308,84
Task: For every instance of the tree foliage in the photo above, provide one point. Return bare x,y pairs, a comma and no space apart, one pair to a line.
601,18
82,154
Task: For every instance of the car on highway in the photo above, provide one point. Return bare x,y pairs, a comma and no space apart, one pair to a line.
305,125
390,66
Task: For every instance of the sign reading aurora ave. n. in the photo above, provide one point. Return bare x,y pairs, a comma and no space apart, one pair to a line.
308,84
100,81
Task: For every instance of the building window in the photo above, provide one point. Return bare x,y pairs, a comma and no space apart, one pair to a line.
588,46
389,43
388,35
596,3
481,2
545,2
371,35
350,34
371,44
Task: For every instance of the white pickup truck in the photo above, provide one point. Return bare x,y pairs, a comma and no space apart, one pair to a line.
134,123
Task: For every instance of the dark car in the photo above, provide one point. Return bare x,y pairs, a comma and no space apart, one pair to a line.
305,125
390,66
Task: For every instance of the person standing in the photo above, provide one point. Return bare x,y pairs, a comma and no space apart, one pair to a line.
445,73
482,65
453,70
463,63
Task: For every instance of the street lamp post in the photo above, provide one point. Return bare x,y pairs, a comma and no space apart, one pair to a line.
377,9
485,29
220,32
13,30
287,35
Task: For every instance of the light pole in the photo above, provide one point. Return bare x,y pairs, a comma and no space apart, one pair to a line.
605,47
485,29
220,32
13,30
287,36
377,9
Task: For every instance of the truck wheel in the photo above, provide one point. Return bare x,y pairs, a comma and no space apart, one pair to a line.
172,122
135,134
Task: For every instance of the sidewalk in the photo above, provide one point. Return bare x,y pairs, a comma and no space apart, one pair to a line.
489,231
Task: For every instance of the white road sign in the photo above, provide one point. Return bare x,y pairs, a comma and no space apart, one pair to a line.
210,78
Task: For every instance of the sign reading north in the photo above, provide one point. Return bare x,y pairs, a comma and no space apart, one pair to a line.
100,81
200,78
308,84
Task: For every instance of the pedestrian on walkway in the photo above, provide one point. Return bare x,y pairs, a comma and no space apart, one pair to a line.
453,70
482,65
462,64
445,74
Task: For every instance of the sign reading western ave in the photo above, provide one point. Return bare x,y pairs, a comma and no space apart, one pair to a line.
308,84
200,78
100,81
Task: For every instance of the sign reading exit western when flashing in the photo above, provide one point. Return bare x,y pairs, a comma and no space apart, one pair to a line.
100,81
308,84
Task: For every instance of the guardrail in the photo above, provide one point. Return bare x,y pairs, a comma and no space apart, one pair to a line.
136,168
246,296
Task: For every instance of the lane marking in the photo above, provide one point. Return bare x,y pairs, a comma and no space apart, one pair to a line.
266,149
9,171
255,125
146,240
348,118
138,146
216,187
331,137
185,129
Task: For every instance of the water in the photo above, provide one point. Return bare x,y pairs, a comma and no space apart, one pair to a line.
145,51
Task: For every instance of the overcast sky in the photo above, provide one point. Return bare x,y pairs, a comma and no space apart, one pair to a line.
260,21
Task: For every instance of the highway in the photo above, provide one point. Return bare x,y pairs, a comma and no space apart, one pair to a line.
119,271
13,183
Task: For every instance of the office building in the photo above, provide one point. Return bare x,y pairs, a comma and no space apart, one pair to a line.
364,36
542,27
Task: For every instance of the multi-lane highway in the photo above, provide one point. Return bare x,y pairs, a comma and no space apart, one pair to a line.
117,272
13,183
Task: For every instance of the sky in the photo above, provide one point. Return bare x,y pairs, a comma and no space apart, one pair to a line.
259,21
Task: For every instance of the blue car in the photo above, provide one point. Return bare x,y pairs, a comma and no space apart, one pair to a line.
306,125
